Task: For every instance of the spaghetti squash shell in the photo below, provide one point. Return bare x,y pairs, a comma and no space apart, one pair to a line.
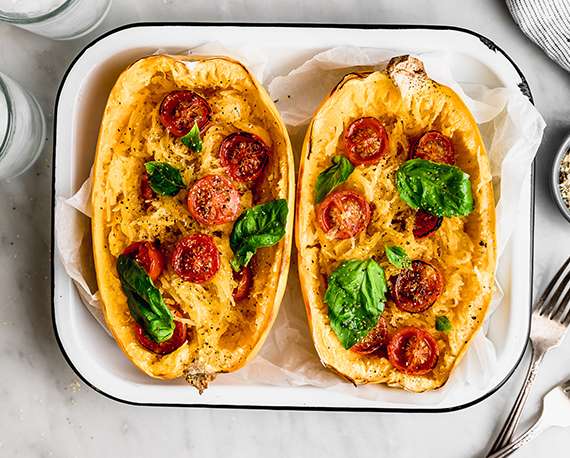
409,103
224,335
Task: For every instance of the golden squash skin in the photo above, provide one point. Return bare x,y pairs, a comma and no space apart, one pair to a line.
463,249
225,334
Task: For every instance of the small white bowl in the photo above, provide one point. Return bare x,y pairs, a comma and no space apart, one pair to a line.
564,149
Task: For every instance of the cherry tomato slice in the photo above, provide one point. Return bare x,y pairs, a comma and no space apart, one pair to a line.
168,346
374,340
213,200
417,288
244,280
426,224
413,351
146,191
180,109
244,155
366,141
436,147
148,256
195,258
343,214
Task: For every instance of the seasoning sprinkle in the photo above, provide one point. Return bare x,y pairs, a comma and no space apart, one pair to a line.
565,179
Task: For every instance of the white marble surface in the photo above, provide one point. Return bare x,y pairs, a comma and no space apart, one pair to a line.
46,411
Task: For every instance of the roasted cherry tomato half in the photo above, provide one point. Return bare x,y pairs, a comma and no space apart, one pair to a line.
180,109
148,256
146,191
168,346
195,258
374,340
244,280
244,155
426,224
436,147
343,214
417,288
366,141
213,200
413,351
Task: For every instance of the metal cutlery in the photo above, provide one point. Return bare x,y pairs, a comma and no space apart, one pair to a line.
555,412
550,320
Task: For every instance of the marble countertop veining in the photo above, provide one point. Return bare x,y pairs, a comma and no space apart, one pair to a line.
46,411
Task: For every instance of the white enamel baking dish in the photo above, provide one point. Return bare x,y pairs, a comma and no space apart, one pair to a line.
82,95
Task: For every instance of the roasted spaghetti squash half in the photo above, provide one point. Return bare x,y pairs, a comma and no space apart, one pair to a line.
193,197
395,228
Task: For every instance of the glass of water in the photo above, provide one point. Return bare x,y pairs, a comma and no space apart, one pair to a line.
57,19
22,129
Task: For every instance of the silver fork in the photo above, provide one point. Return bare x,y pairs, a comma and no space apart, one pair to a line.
550,320
555,412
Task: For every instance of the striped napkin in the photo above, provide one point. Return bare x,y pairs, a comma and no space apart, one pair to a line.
547,23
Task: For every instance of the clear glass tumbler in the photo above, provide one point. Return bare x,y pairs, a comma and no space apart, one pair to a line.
22,129
57,19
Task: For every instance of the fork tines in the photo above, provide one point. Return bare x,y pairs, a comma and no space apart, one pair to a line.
553,303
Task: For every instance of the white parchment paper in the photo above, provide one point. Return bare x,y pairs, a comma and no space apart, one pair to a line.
512,131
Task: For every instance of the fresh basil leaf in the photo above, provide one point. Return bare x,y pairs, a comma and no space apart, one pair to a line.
192,139
163,178
398,257
443,324
144,299
355,296
257,227
330,178
440,189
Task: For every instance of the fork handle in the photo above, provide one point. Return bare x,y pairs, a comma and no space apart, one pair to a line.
510,426
525,438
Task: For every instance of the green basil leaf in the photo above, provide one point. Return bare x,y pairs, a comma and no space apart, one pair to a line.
157,329
258,227
398,257
440,189
330,178
192,139
144,299
443,324
355,296
163,178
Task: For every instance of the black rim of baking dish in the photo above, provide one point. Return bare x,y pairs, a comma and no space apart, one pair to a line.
524,88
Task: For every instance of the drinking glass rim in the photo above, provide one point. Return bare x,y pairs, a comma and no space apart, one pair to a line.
17,18
9,119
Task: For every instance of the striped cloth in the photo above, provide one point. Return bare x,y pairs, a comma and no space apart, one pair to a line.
547,23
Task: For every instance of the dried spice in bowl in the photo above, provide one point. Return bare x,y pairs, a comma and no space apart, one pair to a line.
565,178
